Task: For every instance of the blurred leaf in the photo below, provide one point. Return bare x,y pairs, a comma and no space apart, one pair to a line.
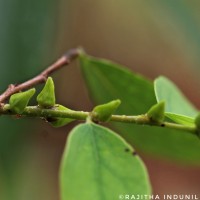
178,108
98,164
180,119
27,37
107,81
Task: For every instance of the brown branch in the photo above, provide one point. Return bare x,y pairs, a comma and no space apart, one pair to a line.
41,78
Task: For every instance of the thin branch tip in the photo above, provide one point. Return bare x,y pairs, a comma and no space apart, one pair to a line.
66,59
72,53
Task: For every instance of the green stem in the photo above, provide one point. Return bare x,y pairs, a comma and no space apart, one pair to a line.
144,120
35,111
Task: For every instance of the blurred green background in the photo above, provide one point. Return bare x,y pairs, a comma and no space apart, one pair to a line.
150,37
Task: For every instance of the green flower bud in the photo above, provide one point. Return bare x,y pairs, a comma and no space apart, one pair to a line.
104,112
58,122
46,98
157,112
19,101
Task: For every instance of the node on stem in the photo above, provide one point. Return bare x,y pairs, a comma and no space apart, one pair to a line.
19,101
157,112
104,112
58,122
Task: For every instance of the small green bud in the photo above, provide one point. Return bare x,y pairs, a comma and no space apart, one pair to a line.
46,98
19,101
58,122
197,123
104,112
157,112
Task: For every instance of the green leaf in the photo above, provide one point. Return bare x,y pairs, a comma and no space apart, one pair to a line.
98,164
59,122
178,107
106,81
197,123
19,101
46,98
180,119
103,112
